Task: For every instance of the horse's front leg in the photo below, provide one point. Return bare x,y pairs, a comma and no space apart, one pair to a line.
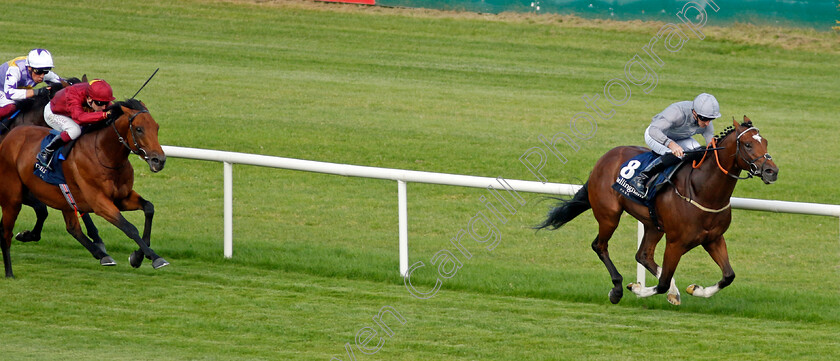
665,274
134,202
93,233
75,230
109,211
644,256
716,249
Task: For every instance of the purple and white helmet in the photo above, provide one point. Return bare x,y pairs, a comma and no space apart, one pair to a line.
39,59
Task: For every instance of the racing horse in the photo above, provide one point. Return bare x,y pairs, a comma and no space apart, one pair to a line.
31,112
98,175
693,210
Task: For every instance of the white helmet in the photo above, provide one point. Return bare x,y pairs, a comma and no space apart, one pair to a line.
706,106
39,59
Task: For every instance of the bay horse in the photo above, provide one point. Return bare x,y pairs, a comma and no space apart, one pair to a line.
98,175
693,210
31,112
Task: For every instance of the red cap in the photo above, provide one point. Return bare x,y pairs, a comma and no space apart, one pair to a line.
100,90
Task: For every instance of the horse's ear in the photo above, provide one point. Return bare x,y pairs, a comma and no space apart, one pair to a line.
84,78
747,120
734,123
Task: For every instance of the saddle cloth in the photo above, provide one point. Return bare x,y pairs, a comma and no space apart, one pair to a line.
633,169
55,176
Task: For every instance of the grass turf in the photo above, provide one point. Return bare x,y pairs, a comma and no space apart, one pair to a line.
315,256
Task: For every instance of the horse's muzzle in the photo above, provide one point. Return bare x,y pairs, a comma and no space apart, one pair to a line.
769,173
156,162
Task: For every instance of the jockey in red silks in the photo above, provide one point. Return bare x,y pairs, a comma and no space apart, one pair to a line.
20,75
80,104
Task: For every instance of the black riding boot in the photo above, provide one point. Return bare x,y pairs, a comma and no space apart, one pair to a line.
658,165
45,156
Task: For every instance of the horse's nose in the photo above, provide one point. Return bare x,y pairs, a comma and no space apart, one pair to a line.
156,163
770,174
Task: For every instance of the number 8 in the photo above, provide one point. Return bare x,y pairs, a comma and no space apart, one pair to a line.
628,171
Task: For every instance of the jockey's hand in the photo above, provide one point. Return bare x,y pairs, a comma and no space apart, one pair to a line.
676,149
40,91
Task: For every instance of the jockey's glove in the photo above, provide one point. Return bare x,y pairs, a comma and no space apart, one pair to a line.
40,91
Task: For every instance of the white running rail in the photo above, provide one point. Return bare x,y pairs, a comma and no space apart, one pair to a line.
405,176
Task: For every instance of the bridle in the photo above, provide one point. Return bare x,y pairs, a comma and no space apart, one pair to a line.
139,151
754,170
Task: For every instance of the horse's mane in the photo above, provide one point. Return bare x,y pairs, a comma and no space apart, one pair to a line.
130,103
116,112
728,130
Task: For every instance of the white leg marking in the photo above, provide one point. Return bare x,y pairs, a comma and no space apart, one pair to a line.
673,290
705,292
643,291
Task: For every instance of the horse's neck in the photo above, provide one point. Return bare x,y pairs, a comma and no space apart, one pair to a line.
108,149
710,184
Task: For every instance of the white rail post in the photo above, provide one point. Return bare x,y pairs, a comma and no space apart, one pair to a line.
402,201
228,209
640,270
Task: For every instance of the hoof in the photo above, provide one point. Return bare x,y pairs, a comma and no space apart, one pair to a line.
135,259
631,285
107,261
616,294
27,236
691,289
159,263
674,299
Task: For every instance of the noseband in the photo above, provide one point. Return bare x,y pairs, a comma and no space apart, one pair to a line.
139,151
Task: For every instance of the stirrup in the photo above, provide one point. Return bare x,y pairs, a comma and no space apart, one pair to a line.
44,158
640,183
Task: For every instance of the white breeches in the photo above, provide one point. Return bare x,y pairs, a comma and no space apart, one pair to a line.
661,149
62,123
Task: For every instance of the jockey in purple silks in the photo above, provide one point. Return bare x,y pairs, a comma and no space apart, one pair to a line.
20,75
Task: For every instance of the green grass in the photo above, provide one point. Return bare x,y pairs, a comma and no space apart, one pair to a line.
315,256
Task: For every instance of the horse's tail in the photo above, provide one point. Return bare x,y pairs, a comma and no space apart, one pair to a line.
567,209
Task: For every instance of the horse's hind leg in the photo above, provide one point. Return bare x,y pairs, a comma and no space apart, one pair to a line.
75,230
716,249
40,208
645,257
599,245
10,214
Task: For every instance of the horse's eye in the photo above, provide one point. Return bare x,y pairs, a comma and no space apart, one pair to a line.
140,130
748,145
